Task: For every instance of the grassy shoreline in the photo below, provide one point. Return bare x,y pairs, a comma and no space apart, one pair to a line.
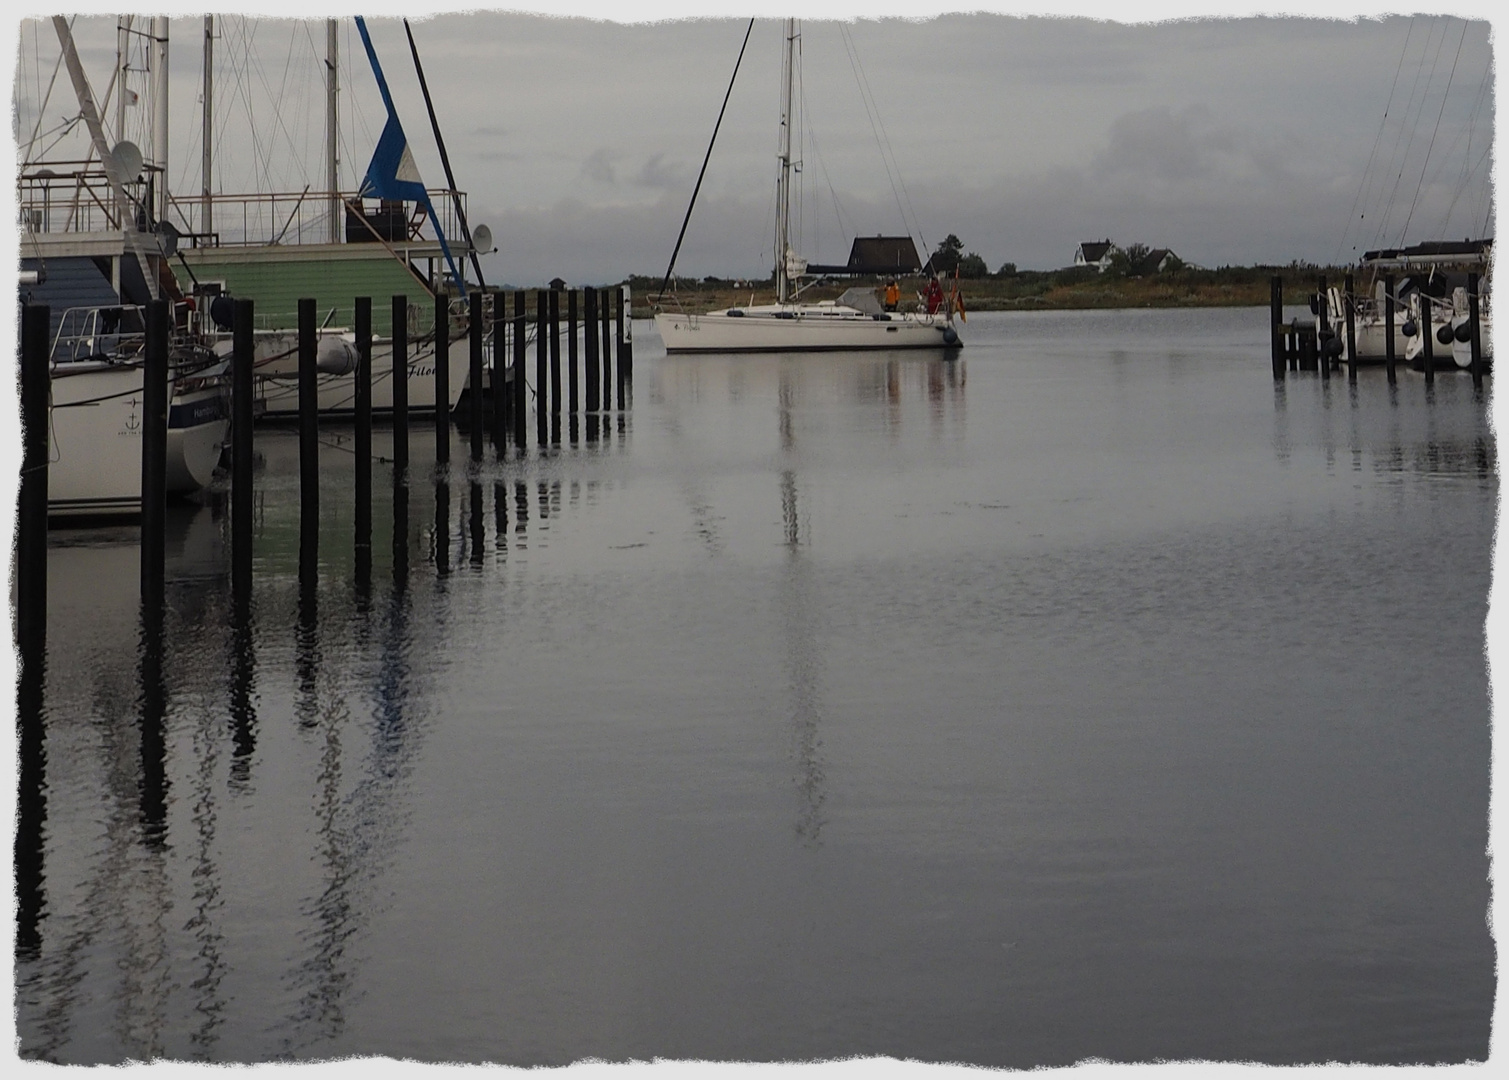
1056,290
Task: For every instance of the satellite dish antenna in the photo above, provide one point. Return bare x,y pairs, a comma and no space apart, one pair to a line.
128,159
482,239
169,234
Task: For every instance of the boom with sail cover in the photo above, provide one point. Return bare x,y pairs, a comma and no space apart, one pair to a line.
392,173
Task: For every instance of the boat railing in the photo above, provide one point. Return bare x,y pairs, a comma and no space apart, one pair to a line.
96,333
77,197
305,217
72,197
116,334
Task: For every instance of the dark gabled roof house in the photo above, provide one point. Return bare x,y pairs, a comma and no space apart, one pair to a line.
878,255
1094,253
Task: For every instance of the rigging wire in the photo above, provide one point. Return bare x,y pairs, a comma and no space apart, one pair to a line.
1409,129
682,235
1469,166
883,141
1367,171
1444,95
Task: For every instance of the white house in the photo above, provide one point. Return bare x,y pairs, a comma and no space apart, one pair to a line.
1096,253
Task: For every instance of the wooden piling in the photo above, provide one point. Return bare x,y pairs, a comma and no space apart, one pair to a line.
363,538
442,379
1475,342
626,362
474,394
555,353
1276,324
1322,328
520,386
243,356
541,359
1428,338
589,305
606,329
573,328
1350,307
400,389
309,442
1388,328
31,523
154,452
620,315
498,376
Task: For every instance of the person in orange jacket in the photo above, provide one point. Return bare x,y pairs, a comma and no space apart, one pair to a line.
934,297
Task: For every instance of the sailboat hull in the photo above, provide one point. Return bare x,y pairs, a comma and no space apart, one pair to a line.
798,328
95,435
276,374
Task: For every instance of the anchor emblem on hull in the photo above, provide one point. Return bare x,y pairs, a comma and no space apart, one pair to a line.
133,421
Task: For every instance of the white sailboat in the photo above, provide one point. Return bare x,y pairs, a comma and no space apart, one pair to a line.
854,321
1430,292
87,255
383,240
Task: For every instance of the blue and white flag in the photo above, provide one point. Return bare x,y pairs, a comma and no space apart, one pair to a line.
392,173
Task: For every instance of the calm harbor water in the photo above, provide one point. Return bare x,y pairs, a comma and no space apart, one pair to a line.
1085,696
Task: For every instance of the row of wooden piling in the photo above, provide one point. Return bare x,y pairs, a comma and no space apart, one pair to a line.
602,333
1304,346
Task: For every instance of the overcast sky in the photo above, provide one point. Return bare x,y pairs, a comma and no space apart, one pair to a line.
578,141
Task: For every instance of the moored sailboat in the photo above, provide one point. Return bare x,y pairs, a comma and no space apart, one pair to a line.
853,321
90,257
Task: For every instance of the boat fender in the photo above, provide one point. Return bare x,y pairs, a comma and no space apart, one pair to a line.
785,315
223,312
1409,329
336,356
950,336
1332,347
881,317
735,313
1463,332
1443,335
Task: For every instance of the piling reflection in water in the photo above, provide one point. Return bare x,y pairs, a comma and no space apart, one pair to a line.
31,803
1439,429
286,883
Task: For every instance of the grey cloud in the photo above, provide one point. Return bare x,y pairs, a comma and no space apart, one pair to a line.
599,166
655,173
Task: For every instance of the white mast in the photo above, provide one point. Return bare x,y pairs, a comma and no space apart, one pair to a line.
332,66
159,65
783,184
122,65
207,213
